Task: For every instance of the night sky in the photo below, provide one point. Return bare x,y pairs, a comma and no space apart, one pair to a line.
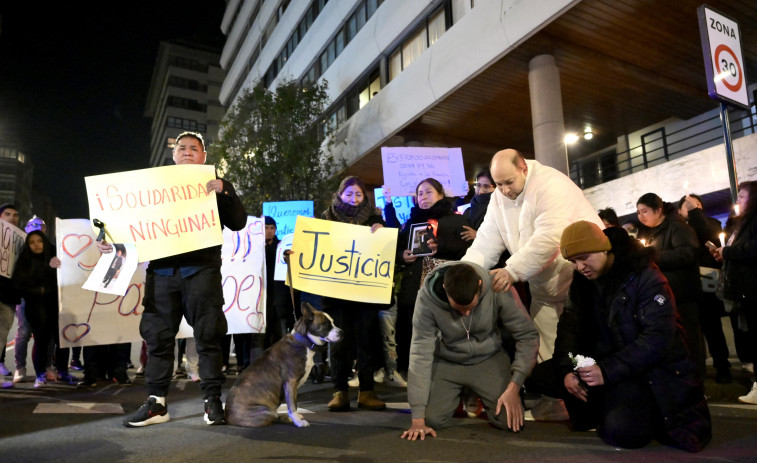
74,81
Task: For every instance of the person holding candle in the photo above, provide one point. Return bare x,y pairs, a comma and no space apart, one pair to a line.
710,307
641,384
739,275
677,250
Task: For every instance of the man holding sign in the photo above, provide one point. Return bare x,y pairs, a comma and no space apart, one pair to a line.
186,284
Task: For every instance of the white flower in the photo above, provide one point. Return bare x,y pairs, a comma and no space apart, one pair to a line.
579,361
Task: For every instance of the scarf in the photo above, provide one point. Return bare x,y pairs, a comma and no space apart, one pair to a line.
339,211
437,211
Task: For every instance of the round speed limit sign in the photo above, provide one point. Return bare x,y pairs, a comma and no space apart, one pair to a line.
730,72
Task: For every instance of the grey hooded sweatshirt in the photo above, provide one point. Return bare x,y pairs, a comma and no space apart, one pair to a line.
442,334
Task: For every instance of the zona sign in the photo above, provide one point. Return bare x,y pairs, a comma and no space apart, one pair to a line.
723,60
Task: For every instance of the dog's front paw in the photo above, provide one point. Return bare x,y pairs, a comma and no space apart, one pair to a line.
299,420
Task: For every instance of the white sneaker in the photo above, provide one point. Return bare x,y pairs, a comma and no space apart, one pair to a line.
354,382
396,380
751,397
194,377
19,375
378,377
3,370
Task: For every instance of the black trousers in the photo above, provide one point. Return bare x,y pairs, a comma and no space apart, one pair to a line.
199,298
625,414
359,323
43,322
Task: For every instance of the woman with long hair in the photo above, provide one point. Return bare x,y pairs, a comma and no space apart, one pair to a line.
739,257
36,280
677,248
447,244
358,320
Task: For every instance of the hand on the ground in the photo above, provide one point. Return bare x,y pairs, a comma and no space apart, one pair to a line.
592,375
55,262
214,185
418,429
510,399
501,279
104,247
468,234
574,386
375,227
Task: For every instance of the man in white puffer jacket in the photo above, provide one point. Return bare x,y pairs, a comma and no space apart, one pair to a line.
526,215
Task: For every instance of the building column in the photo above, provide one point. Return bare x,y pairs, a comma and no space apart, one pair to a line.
546,113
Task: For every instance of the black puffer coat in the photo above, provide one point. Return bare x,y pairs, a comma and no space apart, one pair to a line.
740,266
677,248
627,322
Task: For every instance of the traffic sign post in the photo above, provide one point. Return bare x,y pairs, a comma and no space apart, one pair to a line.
724,66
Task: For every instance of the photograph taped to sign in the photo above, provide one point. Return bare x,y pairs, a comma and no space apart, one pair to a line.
723,58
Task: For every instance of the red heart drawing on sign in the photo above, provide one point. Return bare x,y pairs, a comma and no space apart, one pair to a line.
73,245
72,332
256,321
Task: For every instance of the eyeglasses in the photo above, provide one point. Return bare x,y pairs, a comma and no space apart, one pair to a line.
482,186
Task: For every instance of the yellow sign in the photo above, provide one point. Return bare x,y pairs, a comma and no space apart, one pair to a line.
344,261
164,210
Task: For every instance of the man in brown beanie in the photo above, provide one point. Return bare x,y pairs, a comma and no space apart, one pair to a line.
639,383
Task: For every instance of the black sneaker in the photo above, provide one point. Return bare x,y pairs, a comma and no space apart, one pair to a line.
122,379
151,412
87,382
65,378
214,413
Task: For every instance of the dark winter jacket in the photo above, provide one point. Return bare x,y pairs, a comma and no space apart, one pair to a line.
677,250
627,321
740,265
477,211
450,245
707,229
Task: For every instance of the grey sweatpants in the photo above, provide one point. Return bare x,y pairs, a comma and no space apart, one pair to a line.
487,379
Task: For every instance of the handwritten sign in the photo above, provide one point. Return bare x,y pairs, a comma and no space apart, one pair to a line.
88,318
285,214
280,271
164,211
402,205
405,167
342,260
243,275
12,241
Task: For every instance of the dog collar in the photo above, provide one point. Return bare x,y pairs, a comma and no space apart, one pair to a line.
305,341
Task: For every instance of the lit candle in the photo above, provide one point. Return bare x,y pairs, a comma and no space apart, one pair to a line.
736,210
686,188
722,239
643,242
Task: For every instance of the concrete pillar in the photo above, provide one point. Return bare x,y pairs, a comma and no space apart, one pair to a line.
546,113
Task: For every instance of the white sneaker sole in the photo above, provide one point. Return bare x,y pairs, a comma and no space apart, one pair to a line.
157,419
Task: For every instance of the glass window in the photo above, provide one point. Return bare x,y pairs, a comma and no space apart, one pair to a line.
331,50
364,96
324,61
436,27
360,13
413,48
372,5
375,86
339,40
395,64
351,28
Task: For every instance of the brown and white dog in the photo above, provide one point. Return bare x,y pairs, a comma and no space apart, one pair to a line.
285,366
